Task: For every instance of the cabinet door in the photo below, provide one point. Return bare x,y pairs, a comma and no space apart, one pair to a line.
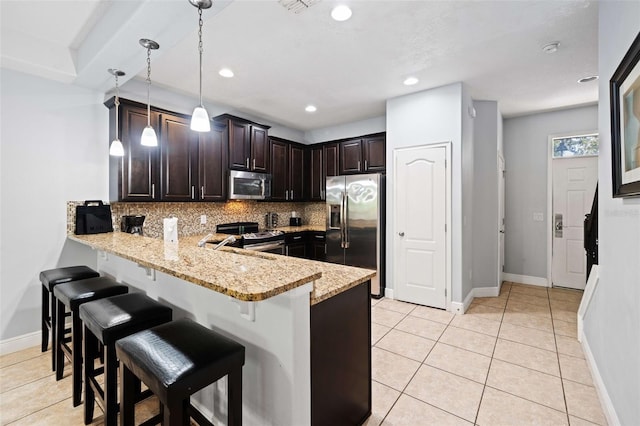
279,166
239,145
296,173
316,174
374,154
178,153
212,167
331,163
139,170
350,157
259,149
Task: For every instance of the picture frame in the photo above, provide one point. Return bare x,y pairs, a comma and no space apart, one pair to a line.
624,88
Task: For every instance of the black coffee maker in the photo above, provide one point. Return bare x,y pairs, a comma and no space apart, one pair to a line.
132,224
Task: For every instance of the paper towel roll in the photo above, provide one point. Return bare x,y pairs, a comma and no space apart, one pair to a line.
170,228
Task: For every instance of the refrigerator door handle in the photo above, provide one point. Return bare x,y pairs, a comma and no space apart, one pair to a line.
342,221
345,198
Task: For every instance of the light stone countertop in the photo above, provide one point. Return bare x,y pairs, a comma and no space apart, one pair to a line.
243,274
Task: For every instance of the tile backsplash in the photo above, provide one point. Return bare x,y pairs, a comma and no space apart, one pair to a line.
189,214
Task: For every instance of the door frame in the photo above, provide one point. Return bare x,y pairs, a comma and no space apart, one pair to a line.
550,195
394,226
501,217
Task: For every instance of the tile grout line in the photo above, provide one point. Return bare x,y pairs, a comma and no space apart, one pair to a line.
555,340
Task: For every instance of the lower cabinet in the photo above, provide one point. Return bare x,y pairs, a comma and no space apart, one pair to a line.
296,244
317,246
306,244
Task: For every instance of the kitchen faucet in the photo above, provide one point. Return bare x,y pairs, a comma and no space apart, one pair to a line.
229,239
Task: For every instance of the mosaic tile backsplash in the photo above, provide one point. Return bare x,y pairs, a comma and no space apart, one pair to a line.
188,214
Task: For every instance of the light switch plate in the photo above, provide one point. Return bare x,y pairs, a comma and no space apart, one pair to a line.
538,217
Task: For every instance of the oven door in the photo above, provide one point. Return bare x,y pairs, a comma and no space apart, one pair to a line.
275,247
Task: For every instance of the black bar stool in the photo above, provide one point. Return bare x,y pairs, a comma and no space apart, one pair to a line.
49,279
107,320
70,296
176,360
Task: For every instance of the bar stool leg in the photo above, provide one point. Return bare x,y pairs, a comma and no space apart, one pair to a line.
90,354
76,355
58,341
45,320
234,403
111,386
127,396
54,330
176,413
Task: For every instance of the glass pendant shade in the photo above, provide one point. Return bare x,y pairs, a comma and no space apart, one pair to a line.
200,120
149,137
116,149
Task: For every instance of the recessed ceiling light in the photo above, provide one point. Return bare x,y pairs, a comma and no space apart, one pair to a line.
410,81
226,72
341,12
588,79
310,108
551,47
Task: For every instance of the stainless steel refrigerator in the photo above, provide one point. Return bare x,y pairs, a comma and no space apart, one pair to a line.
355,224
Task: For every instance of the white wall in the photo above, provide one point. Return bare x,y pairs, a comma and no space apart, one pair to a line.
485,194
428,117
468,208
611,324
54,148
526,155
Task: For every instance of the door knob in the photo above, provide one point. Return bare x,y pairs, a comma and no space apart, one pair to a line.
401,234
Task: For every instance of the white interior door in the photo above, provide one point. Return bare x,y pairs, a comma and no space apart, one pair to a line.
419,225
501,229
574,184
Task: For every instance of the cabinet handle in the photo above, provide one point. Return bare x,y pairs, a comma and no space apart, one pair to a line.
286,251
193,192
358,165
153,190
286,194
365,165
297,238
247,162
292,194
254,164
202,192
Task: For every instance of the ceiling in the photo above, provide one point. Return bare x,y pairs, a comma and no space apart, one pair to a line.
284,61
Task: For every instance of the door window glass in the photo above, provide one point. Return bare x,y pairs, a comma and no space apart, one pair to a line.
575,146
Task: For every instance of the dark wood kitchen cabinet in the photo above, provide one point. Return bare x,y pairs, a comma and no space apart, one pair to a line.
317,245
364,155
331,153
136,175
323,162
296,244
248,144
287,170
212,163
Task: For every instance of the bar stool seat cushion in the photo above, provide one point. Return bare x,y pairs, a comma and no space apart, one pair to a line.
75,293
115,317
51,277
181,356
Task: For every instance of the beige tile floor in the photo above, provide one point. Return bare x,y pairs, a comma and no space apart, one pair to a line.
510,360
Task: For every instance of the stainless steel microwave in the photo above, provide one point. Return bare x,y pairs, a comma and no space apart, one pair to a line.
249,185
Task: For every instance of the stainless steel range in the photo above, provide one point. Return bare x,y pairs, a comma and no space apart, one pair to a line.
251,239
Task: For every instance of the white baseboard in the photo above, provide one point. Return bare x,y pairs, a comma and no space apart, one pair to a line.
525,279
461,308
486,292
589,290
19,343
388,293
603,395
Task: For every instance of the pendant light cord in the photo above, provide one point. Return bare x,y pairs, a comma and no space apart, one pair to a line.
117,104
200,49
149,86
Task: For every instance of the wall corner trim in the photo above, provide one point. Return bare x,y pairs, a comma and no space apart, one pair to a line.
460,308
525,279
19,343
601,390
589,290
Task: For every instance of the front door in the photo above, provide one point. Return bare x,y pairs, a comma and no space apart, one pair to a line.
574,185
420,207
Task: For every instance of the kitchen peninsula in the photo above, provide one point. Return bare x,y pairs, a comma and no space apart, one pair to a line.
305,324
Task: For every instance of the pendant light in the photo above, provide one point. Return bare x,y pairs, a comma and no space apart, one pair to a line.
149,137
200,118
116,149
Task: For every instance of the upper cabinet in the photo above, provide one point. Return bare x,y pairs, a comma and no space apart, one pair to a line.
248,144
363,155
323,162
136,176
185,166
288,178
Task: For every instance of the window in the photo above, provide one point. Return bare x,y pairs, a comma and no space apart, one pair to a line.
575,146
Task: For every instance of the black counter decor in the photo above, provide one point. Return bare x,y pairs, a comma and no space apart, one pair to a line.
93,217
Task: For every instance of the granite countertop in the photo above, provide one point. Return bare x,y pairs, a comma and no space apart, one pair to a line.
243,274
